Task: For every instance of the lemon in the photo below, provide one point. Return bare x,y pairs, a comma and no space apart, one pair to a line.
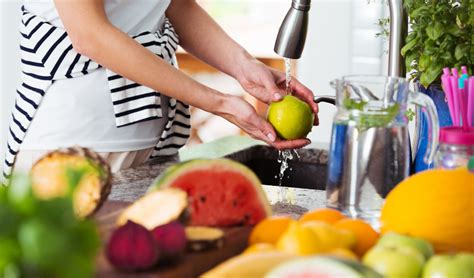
291,118
331,237
299,240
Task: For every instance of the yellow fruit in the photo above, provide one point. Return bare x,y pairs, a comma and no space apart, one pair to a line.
259,248
330,237
299,240
366,236
49,176
327,215
269,229
342,253
435,205
291,117
251,265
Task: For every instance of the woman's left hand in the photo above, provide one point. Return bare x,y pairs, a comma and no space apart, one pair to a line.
269,85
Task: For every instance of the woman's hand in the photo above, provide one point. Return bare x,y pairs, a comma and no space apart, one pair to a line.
269,85
242,114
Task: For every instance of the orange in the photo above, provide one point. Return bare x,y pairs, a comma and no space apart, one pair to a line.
366,236
327,215
435,205
269,229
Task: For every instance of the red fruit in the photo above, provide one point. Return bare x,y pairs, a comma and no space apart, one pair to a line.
171,240
132,247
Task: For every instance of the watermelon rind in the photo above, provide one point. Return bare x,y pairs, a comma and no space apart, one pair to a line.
172,173
327,265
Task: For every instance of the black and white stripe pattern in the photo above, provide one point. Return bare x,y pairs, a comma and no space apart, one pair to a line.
47,54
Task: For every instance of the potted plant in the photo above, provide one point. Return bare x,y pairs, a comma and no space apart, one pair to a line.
441,36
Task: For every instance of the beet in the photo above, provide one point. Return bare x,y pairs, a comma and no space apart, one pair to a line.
132,247
171,240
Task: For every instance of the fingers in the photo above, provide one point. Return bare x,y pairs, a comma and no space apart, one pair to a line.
266,129
291,144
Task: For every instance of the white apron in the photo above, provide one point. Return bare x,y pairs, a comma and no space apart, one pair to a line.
47,55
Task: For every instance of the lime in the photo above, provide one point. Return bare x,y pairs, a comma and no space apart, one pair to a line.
291,118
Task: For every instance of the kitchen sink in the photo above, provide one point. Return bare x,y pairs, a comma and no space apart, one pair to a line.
308,171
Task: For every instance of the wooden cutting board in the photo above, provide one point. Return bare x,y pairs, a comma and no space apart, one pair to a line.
191,265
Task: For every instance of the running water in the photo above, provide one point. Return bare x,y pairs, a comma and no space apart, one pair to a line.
288,74
285,195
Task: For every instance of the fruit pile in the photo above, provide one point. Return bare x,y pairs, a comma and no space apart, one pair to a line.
322,231
323,243
427,231
203,194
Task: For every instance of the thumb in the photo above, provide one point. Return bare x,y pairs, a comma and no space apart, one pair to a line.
276,94
267,129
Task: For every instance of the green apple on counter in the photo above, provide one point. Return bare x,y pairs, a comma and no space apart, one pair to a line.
397,240
450,266
395,262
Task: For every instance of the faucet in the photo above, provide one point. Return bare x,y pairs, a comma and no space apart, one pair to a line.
292,34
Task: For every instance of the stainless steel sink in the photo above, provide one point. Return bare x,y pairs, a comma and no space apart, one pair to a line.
308,171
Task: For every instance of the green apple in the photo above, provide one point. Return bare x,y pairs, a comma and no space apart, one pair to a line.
395,262
291,117
397,240
450,266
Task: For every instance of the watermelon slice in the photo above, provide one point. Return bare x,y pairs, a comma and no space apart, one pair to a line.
322,267
222,192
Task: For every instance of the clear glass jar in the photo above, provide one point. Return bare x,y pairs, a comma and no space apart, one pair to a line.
456,148
452,156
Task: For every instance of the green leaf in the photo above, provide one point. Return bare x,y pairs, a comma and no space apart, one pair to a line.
409,45
430,75
461,51
424,61
434,31
421,11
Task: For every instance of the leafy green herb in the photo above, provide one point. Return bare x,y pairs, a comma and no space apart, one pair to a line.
43,238
441,36
368,119
410,114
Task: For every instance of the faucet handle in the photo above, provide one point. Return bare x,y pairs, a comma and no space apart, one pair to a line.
326,98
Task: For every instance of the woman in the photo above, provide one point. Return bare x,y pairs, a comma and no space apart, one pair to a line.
100,74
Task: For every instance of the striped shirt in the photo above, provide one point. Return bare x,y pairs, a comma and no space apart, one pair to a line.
47,55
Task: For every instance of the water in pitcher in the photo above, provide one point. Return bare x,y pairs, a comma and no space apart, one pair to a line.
365,164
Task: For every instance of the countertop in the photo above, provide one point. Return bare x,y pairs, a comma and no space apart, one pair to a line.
131,184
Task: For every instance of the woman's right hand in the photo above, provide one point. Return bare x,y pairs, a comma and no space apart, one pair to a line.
239,112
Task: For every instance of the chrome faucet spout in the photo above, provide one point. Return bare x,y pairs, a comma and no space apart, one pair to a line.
292,34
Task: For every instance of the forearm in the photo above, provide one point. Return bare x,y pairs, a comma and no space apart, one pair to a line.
115,50
201,36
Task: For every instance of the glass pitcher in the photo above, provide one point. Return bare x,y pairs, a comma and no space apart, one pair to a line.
370,147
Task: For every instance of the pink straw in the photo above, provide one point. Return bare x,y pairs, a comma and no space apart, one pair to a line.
456,99
470,102
449,94
464,70
455,72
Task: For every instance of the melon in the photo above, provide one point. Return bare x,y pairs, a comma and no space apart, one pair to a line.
322,266
435,205
222,192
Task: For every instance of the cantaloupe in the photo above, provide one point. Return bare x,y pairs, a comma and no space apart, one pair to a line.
435,205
